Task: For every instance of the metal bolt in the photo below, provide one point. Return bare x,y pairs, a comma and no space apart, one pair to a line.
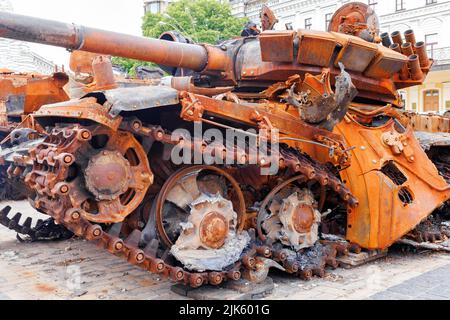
85,135
68,159
75,215
140,257
64,189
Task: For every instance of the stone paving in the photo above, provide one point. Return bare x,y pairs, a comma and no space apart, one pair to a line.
433,285
77,269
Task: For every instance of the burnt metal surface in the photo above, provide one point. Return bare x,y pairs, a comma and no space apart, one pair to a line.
358,19
42,231
140,98
268,19
429,140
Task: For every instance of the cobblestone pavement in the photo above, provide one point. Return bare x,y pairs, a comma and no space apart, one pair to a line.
77,269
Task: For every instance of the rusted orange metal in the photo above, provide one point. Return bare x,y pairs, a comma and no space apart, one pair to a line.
87,108
391,204
25,93
357,19
268,19
81,61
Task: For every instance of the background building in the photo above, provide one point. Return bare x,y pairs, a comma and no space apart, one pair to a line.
17,55
156,6
430,19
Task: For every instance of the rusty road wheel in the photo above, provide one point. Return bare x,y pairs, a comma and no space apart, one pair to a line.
199,216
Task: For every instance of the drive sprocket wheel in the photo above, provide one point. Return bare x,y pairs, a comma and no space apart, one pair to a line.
118,176
106,173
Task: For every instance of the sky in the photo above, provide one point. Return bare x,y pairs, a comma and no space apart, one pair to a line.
115,15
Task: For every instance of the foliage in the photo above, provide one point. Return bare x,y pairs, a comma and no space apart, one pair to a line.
204,21
130,65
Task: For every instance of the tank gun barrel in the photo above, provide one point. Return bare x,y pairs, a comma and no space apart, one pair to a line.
75,37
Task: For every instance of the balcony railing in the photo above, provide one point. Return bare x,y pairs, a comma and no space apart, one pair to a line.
440,55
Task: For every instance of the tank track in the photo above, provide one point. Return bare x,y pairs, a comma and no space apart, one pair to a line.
44,230
433,233
442,162
50,169
8,190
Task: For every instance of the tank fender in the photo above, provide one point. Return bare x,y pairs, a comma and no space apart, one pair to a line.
140,98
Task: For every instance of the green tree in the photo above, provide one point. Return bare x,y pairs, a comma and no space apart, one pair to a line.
203,21
130,65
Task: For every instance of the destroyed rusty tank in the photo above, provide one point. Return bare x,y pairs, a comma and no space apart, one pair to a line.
328,167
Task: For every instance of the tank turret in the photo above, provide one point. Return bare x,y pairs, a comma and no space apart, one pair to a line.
249,64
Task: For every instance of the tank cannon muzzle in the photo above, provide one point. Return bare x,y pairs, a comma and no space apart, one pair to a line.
75,37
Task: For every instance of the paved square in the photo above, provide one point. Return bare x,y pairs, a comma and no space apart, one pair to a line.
77,269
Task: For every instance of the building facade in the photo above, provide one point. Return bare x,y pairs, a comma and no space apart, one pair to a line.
430,19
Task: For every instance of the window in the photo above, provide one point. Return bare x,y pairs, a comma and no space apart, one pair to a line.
153,7
432,93
328,17
308,23
373,3
289,26
399,5
431,2
431,41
